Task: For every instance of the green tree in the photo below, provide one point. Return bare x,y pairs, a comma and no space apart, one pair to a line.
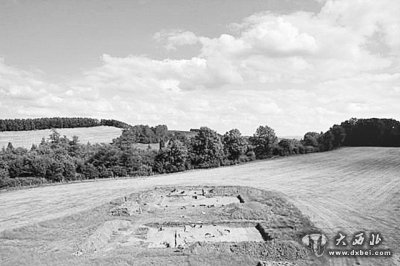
287,147
132,160
69,170
234,144
40,164
55,171
206,149
311,139
107,156
263,141
161,132
54,136
326,141
4,174
10,147
173,158
90,171
339,135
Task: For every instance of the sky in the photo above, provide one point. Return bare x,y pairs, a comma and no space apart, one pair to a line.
294,65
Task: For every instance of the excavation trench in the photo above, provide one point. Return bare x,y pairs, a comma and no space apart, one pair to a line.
239,221
197,200
183,236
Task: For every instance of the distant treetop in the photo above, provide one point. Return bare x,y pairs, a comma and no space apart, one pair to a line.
56,122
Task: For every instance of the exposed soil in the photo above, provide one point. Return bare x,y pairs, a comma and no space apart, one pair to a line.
347,190
177,226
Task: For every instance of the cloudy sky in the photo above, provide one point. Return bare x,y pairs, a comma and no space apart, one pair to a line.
295,65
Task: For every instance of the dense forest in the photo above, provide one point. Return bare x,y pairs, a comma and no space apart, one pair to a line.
56,122
372,132
60,159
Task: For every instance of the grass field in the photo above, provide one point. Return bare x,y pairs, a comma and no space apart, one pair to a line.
25,139
349,190
101,134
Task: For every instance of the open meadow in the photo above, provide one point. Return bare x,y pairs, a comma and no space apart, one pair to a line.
347,190
25,139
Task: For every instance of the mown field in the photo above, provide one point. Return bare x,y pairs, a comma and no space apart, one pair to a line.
348,190
25,139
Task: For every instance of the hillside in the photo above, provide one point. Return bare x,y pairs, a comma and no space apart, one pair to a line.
350,190
59,159
25,139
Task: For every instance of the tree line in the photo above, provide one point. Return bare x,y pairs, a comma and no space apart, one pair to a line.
143,134
60,159
372,132
56,122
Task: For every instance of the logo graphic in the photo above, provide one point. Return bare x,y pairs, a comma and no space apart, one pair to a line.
316,242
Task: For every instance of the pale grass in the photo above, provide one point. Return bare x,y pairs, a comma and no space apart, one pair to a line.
25,139
350,189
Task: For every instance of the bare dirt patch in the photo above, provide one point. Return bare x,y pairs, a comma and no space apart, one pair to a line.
184,236
102,236
173,226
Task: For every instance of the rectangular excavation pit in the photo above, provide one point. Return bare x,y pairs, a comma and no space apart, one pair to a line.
182,236
127,208
188,192
197,200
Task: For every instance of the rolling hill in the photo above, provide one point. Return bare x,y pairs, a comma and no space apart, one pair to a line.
25,139
347,190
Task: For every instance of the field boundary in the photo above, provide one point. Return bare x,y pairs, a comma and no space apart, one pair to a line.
11,189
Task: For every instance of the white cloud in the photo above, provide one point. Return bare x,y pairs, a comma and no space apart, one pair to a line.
276,36
295,72
175,38
366,17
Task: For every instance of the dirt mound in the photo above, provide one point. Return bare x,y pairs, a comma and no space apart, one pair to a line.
101,237
246,211
128,208
276,263
203,222
274,250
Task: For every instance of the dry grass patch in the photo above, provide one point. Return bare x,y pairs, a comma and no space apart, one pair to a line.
25,139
